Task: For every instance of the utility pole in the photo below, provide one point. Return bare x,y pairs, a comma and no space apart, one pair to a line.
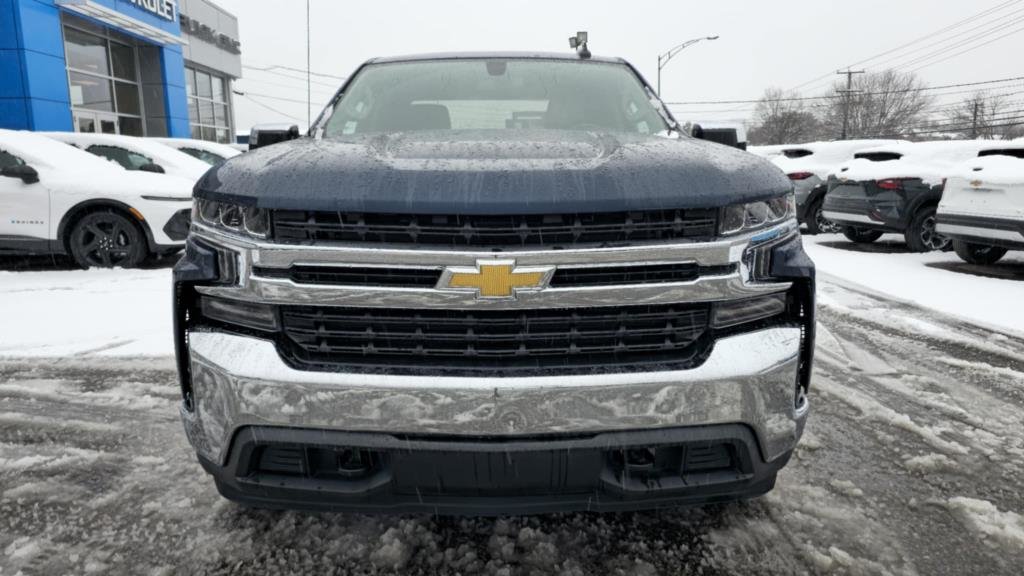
309,74
848,92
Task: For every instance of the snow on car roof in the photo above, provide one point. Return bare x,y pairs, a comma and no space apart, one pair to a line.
160,153
823,157
929,161
34,148
996,169
215,147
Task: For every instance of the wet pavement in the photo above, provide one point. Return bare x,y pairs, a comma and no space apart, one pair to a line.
912,463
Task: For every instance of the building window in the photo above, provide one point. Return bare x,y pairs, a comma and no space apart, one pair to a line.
103,79
208,106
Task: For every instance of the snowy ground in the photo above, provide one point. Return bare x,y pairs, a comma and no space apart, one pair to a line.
913,461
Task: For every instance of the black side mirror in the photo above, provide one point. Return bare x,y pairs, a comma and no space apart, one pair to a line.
27,173
697,131
267,134
152,167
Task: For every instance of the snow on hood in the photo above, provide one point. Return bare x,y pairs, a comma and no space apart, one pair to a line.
929,161
825,157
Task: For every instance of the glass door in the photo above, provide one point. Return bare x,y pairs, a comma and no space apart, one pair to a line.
95,122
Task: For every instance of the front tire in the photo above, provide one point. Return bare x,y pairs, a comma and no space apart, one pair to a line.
860,235
921,235
978,253
105,239
816,221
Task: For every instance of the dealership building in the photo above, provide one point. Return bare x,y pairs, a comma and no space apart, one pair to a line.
137,67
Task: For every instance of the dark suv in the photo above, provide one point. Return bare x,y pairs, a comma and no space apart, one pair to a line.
494,283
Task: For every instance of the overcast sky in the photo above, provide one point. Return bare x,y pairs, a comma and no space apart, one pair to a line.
782,43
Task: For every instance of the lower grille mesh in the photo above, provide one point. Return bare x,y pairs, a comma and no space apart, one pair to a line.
340,338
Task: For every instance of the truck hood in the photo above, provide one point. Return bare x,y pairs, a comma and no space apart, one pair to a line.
492,172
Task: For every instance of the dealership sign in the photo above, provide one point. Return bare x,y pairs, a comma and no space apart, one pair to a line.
166,9
206,33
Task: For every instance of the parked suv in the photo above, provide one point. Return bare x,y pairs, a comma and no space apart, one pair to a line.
982,208
494,283
808,166
895,188
56,199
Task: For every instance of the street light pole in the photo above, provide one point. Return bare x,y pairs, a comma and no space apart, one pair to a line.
663,59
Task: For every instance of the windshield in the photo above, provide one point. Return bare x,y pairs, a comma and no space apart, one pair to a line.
508,94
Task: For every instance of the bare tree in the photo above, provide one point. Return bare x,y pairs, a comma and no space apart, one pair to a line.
883,104
984,115
782,118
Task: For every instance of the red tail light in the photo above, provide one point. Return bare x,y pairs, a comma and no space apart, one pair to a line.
890,184
800,175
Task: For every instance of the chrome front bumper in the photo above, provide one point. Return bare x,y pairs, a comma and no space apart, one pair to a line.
241,381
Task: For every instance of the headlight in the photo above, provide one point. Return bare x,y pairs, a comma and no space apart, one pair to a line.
756,215
244,220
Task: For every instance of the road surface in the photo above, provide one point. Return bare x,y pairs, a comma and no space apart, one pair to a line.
913,463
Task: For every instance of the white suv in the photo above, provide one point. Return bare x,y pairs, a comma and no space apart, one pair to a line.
56,199
210,152
982,207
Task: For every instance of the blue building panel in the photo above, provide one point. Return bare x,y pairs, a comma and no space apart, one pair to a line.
12,72
39,22
14,114
46,77
10,37
50,116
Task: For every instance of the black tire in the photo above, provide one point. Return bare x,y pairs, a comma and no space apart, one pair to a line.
861,235
921,235
817,223
105,239
978,253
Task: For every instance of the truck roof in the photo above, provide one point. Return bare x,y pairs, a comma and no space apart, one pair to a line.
509,55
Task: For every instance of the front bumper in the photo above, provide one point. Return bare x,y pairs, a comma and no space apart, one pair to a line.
514,434
985,230
240,381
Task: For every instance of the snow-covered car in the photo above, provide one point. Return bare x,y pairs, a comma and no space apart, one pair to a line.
808,166
136,154
896,188
210,152
982,207
56,199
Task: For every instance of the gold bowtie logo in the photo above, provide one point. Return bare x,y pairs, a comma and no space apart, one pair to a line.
496,279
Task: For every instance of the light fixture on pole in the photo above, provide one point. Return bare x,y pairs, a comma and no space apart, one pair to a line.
663,59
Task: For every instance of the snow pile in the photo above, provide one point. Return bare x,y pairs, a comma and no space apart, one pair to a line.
921,279
996,528
79,312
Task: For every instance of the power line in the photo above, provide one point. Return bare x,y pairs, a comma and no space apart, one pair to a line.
289,76
1017,31
271,67
262,105
834,96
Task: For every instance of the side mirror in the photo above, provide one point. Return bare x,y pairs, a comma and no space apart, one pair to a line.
267,134
152,167
27,173
697,131
724,136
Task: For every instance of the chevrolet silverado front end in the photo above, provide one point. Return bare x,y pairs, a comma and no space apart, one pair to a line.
494,283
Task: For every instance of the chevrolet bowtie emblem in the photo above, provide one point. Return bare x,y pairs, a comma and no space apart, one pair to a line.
495,278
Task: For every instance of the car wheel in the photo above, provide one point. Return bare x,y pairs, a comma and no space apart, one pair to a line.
817,223
105,239
921,235
978,253
860,235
